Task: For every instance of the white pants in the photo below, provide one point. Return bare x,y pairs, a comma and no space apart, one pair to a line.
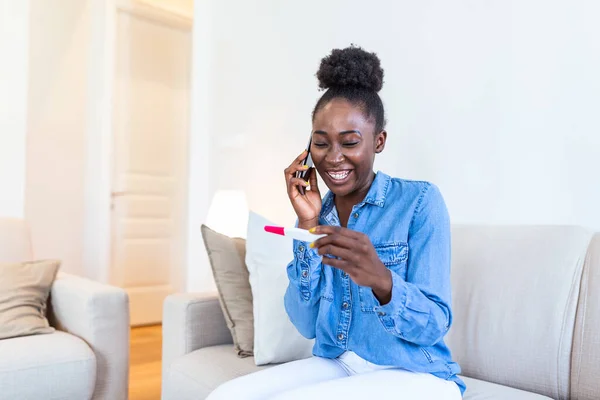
347,377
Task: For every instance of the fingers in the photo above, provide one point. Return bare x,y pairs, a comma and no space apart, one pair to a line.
339,264
337,230
298,160
335,239
295,166
314,185
290,173
337,251
292,187
292,169
295,182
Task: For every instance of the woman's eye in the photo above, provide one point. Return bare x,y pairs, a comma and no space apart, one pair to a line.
320,144
351,144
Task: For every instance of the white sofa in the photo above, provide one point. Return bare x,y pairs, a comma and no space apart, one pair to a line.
526,302
87,357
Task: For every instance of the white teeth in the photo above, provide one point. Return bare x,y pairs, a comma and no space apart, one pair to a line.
338,175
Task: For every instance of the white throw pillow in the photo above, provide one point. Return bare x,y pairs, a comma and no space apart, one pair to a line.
276,339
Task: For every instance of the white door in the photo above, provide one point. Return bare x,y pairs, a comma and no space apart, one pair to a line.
151,103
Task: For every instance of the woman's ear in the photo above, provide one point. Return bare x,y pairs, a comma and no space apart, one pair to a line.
380,139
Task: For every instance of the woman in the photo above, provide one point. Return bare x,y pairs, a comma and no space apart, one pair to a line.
374,293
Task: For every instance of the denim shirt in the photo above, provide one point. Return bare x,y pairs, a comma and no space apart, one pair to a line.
408,224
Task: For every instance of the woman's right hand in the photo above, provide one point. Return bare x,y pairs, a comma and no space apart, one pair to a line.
308,205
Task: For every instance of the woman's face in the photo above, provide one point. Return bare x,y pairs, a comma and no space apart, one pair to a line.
343,147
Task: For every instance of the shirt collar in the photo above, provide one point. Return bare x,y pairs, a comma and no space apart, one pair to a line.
375,195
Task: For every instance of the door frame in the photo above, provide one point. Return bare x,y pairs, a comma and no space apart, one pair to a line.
99,184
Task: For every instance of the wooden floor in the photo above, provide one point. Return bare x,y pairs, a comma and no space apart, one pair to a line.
144,368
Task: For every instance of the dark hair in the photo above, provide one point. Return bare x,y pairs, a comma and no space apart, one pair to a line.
356,76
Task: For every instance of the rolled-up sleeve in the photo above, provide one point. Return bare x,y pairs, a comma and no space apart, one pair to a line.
303,292
420,309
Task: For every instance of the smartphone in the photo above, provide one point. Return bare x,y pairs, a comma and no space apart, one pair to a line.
305,174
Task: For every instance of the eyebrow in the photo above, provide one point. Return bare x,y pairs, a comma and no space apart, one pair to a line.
341,133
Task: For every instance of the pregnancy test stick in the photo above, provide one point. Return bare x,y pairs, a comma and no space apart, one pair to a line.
294,233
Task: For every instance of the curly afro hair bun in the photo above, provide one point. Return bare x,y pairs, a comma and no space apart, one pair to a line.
355,75
351,67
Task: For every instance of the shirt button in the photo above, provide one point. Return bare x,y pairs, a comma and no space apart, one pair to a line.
344,274
341,336
355,215
381,313
344,305
305,273
301,248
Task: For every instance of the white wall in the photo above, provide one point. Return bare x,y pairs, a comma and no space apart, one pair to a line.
199,276
70,133
56,67
98,143
42,90
496,102
54,204
14,63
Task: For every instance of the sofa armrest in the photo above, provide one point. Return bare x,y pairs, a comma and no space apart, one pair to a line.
585,365
191,321
98,314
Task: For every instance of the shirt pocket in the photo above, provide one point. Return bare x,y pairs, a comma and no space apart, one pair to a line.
394,256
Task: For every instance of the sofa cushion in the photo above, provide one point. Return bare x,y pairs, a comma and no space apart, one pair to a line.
276,339
196,374
227,260
24,290
481,390
53,366
515,292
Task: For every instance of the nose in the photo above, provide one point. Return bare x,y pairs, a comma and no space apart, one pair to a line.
334,155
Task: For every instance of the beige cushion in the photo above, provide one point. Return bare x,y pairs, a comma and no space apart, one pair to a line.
15,243
227,257
54,366
585,375
24,290
515,292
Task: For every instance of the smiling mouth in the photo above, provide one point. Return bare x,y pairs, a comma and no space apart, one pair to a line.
339,176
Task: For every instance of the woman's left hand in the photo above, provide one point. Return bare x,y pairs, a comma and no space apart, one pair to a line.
357,257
